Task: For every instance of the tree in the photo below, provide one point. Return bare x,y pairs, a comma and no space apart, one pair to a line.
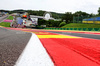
92,15
68,16
99,11
42,22
79,16
80,13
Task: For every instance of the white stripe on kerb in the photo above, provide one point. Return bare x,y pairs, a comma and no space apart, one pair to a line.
34,54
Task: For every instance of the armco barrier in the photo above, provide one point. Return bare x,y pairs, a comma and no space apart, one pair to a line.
71,28
80,29
90,29
96,29
84,29
75,28
67,28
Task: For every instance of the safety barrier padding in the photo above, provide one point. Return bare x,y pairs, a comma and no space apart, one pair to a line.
80,29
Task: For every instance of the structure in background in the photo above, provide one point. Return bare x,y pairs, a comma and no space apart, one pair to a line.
46,16
79,19
2,13
27,20
95,20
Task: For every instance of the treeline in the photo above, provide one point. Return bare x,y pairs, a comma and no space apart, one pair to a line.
35,12
67,17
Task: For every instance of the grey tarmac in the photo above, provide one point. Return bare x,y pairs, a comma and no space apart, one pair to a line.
12,43
2,18
93,36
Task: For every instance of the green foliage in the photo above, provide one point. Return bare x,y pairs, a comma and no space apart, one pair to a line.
41,22
79,16
35,12
62,24
5,24
80,25
41,13
57,15
80,13
39,27
99,11
49,23
4,10
56,23
68,16
10,18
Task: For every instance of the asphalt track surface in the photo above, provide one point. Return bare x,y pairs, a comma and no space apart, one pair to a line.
2,18
12,44
93,36
67,50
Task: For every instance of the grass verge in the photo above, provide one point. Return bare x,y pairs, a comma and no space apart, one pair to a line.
10,18
80,25
5,24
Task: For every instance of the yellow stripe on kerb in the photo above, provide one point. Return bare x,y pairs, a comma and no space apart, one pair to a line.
1,26
55,36
37,32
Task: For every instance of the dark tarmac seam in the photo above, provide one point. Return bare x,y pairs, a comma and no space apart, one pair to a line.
78,34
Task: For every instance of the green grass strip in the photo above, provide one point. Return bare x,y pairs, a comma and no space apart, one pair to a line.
10,18
80,25
5,24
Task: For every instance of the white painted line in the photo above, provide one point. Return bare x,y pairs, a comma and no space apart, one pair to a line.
34,54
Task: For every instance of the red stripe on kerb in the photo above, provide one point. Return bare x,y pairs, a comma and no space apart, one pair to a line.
63,51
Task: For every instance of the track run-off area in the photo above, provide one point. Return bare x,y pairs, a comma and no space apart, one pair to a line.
69,50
